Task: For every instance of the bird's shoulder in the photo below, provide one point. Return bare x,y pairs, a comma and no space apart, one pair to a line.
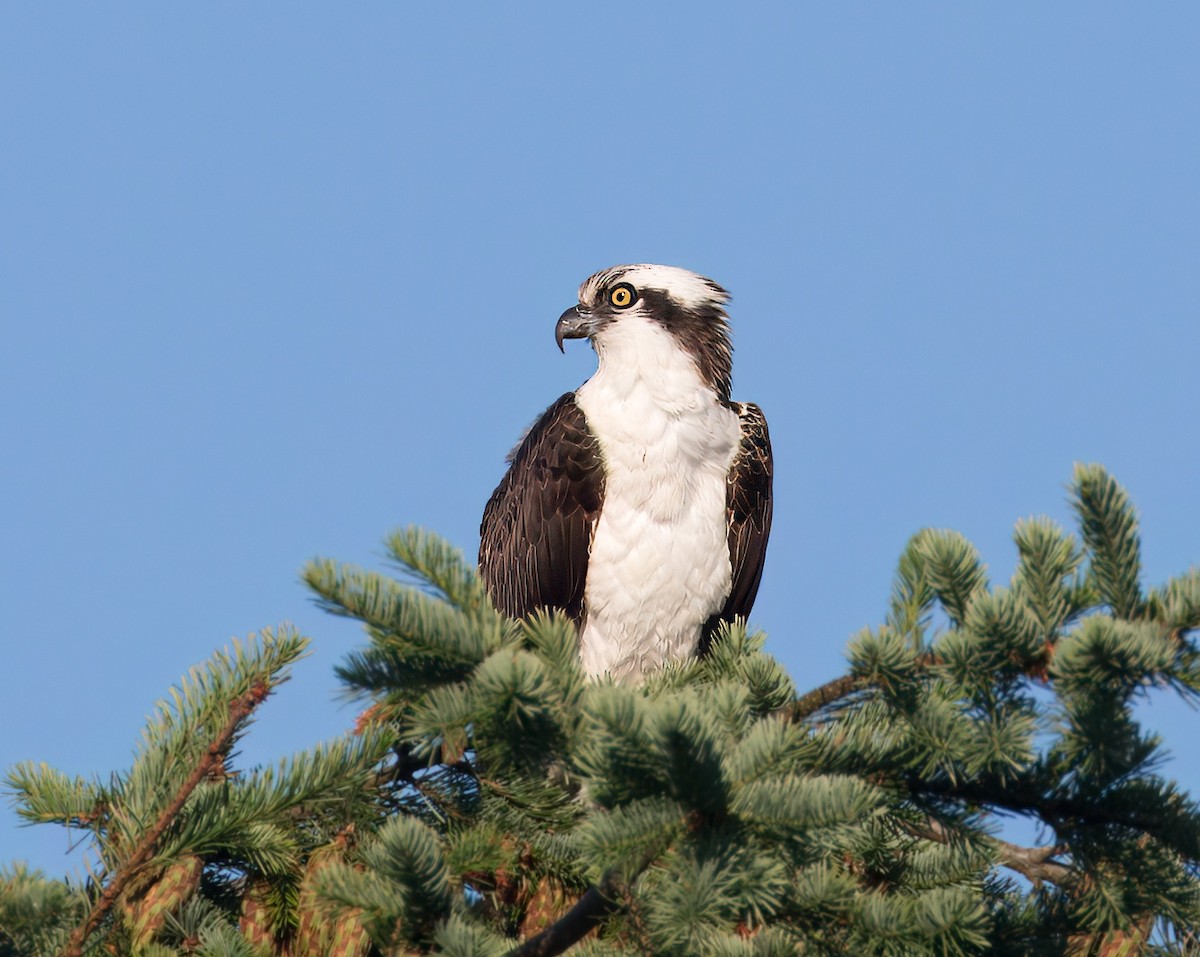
559,444
752,464
536,528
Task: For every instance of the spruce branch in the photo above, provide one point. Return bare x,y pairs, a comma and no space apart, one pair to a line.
431,560
912,596
1049,557
876,790
239,710
953,571
1108,522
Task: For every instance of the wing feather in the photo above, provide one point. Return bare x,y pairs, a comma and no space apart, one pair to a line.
537,527
748,509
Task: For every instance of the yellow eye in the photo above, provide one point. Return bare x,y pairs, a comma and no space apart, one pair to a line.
623,295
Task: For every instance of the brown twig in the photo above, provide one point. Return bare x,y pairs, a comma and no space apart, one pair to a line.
809,704
840,687
821,697
144,850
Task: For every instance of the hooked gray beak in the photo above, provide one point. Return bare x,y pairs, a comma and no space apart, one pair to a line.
575,323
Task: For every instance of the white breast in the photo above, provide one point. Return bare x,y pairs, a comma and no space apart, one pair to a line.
659,564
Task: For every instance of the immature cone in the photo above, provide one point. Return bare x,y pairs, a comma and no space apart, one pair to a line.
255,921
313,930
320,932
548,903
1131,942
350,938
1117,943
165,896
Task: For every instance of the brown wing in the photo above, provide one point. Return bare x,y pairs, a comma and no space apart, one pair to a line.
748,507
537,527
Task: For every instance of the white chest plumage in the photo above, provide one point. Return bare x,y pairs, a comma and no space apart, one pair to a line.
659,563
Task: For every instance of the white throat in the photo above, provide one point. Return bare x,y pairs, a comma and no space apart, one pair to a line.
659,562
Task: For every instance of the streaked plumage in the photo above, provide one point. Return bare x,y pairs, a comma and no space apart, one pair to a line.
640,504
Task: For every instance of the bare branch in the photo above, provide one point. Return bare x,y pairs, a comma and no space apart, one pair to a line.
1029,800
1035,863
596,904
568,930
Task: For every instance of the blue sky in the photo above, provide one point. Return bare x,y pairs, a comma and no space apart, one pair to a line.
276,279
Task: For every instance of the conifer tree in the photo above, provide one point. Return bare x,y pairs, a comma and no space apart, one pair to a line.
494,800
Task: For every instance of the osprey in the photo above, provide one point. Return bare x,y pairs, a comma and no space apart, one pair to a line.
640,503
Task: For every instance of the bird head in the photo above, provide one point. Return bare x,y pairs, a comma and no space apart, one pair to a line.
688,306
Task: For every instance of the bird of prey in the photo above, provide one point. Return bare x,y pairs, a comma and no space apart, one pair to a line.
640,503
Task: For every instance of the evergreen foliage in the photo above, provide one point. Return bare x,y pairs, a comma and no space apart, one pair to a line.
494,800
